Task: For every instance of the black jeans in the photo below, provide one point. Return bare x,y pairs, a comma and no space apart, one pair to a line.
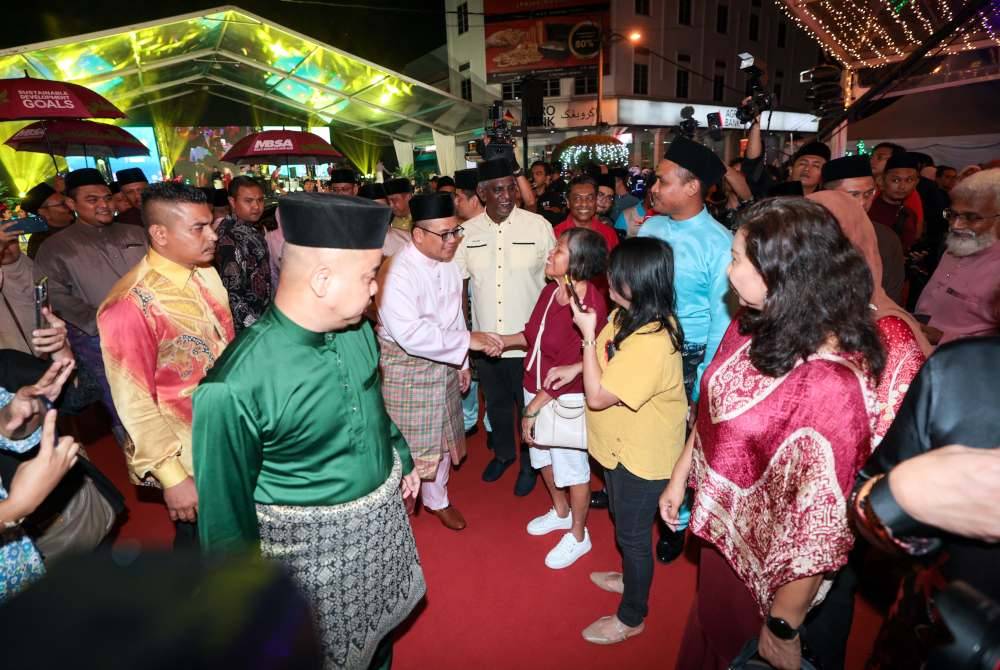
633,503
502,381
692,356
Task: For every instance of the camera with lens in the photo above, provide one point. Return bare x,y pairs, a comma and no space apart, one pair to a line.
500,134
761,99
973,623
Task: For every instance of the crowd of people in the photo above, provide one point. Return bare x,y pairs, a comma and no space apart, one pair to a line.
779,369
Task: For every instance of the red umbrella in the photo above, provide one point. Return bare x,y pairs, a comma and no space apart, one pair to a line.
72,137
292,146
30,98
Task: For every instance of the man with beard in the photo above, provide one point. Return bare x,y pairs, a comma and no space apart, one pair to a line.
425,347
605,198
962,298
853,176
162,327
131,183
82,264
49,204
503,257
242,257
294,453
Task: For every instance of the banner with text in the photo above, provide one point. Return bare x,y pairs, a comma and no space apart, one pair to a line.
547,38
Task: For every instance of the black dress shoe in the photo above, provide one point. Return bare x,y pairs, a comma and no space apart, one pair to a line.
599,499
670,546
495,469
525,483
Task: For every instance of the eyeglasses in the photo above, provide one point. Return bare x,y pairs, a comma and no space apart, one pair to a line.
454,233
966,217
57,204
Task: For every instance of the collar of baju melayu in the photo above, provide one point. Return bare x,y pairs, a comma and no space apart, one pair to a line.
294,332
419,257
178,275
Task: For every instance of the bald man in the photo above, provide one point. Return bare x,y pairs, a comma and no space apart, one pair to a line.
162,327
306,465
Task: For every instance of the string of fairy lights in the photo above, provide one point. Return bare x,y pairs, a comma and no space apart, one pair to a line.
878,31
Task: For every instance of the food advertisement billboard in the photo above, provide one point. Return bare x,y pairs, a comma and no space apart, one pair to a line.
548,38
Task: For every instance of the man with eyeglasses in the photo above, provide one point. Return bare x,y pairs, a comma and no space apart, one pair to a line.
605,199
343,181
425,347
50,204
853,175
962,298
503,257
83,262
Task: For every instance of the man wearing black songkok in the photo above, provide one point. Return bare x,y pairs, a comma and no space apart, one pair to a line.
293,450
399,191
49,204
131,182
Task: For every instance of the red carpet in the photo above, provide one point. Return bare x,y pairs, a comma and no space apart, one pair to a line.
491,602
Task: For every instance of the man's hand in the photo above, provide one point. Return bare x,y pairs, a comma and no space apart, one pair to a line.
36,478
782,654
53,339
490,344
182,501
410,485
5,236
464,379
561,375
954,488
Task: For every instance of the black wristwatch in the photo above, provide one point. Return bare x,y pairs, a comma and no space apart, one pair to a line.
781,629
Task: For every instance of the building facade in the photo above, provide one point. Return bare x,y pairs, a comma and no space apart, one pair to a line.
686,55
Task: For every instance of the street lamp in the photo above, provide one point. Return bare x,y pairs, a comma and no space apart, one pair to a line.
607,39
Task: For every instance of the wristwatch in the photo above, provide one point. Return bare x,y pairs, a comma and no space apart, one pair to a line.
781,629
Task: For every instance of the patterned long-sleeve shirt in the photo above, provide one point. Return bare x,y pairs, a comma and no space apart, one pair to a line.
244,264
162,328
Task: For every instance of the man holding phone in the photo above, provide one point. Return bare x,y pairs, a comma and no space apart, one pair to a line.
44,201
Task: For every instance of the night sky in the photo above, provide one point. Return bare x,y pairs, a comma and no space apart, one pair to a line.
386,37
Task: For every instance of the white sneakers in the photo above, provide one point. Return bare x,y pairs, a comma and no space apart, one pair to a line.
549,522
567,551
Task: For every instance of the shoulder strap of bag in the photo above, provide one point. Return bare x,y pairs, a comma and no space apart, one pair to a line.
536,353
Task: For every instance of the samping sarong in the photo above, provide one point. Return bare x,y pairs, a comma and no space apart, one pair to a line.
424,400
357,562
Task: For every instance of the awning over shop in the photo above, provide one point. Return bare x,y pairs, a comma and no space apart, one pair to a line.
235,56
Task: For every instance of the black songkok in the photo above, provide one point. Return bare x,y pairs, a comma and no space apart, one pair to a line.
131,176
848,167
216,197
84,177
467,180
813,149
399,185
432,206
494,168
605,180
330,221
445,181
697,159
372,191
36,197
343,176
902,160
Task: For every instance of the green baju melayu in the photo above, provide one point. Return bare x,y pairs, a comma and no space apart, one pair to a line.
293,450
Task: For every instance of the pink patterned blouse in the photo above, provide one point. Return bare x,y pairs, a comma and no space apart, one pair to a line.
903,360
774,461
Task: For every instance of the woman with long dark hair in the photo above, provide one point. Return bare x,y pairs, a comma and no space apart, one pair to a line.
784,423
636,410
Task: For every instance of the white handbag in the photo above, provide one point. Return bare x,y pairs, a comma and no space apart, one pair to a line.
561,422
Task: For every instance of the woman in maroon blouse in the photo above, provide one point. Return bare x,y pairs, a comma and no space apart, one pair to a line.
581,254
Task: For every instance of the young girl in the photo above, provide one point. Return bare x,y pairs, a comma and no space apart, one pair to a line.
636,411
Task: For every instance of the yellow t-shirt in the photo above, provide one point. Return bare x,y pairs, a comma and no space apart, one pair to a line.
645,431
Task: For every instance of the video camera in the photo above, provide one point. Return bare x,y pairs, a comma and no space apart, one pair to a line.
761,99
500,134
973,620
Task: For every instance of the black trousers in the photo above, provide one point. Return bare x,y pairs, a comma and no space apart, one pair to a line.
502,382
186,535
634,501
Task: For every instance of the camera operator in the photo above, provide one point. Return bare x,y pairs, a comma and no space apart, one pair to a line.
806,165
917,496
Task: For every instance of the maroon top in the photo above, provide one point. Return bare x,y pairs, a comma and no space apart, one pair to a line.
561,340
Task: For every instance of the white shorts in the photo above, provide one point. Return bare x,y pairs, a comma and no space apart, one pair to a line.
569,466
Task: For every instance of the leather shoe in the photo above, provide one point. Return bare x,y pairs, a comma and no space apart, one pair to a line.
450,517
599,499
525,483
495,469
670,545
